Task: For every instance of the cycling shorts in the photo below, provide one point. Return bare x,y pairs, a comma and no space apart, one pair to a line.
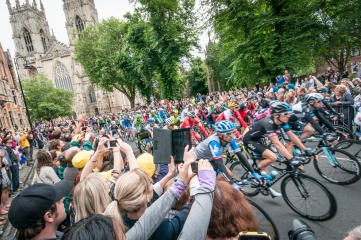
254,146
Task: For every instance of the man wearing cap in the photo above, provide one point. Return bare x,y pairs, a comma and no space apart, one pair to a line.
38,210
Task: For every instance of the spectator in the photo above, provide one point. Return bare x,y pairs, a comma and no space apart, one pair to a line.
13,164
95,226
25,145
44,172
38,210
342,101
238,217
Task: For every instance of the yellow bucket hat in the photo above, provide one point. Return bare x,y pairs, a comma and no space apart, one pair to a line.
81,158
146,163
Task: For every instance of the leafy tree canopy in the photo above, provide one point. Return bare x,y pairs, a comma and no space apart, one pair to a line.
40,95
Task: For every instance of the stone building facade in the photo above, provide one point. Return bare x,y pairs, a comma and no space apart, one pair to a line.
352,62
12,110
38,47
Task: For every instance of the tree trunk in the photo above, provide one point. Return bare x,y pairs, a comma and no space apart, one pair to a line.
209,83
132,101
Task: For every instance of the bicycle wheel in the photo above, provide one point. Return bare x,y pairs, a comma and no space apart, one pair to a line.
337,166
349,144
308,197
240,173
266,223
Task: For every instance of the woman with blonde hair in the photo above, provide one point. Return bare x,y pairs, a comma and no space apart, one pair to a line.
90,196
44,172
133,193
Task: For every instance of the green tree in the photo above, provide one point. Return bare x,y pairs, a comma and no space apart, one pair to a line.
173,34
263,38
40,95
197,77
339,36
98,50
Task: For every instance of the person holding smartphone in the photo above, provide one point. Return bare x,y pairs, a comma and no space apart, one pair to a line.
212,148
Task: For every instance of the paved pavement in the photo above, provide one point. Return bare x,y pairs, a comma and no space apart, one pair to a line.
347,216
26,176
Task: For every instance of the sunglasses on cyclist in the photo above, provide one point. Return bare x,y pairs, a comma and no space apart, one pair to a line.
228,134
286,114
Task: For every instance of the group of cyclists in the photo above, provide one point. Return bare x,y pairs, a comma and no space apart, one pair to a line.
216,126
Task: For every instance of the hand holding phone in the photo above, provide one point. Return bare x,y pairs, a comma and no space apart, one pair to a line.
112,143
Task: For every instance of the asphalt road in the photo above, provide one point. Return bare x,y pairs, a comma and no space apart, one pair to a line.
347,216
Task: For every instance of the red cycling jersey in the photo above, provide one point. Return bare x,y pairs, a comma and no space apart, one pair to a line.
231,116
196,122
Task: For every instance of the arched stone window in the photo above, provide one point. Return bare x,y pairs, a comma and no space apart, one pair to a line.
28,40
79,24
62,77
92,95
43,39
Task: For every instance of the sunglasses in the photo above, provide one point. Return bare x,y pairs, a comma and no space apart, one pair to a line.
193,117
286,114
228,134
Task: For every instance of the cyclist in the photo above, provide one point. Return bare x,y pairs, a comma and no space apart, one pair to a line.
191,121
233,115
313,114
153,114
187,109
212,116
149,141
162,115
138,123
175,117
200,113
101,122
212,148
169,124
114,129
268,127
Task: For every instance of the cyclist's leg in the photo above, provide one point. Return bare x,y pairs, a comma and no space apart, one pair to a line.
268,155
308,130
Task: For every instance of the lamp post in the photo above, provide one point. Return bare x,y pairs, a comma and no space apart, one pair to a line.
21,86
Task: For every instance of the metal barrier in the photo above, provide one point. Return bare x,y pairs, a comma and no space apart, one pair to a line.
349,113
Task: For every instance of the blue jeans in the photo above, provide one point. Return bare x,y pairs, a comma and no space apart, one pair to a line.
15,176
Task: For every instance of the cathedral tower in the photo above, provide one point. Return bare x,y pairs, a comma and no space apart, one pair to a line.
30,27
78,15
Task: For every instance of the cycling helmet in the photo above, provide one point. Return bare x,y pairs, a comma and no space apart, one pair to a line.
211,104
169,121
322,90
218,105
175,111
191,114
160,109
243,106
314,97
151,120
153,111
138,116
232,104
113,122
280,107
224,126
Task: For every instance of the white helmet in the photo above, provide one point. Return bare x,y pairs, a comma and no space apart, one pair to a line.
169,121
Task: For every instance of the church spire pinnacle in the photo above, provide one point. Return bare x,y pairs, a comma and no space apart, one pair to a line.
42,6
17,4
35,5
9,5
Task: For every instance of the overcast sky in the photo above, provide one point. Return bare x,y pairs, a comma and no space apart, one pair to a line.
56,18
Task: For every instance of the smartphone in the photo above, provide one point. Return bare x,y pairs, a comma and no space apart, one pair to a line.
112,143
254,236
194,166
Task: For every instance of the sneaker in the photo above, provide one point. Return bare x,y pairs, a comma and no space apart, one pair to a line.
274,194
